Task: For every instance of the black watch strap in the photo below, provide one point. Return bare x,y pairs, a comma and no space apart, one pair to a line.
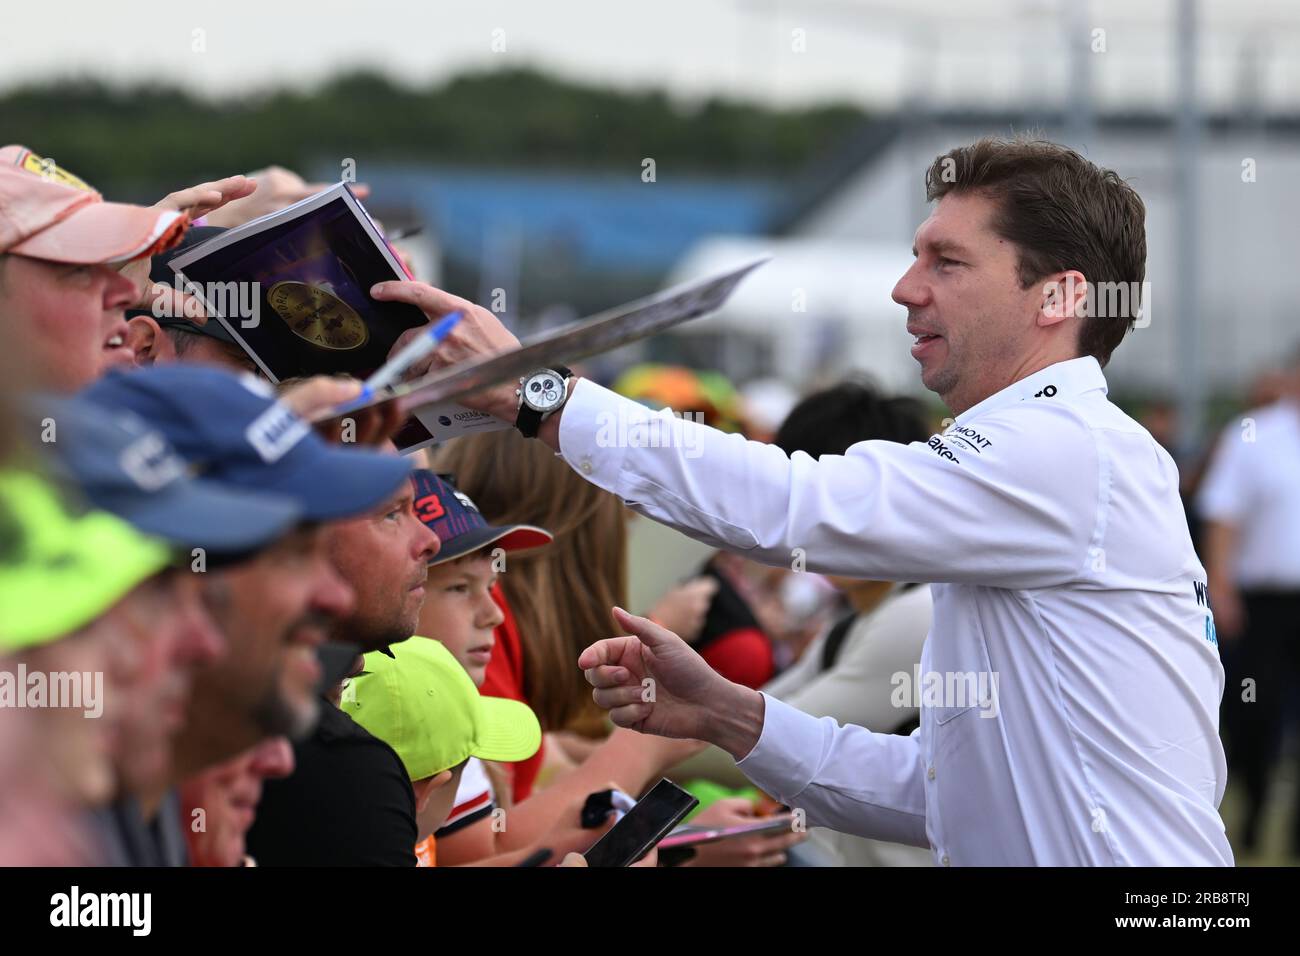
529,420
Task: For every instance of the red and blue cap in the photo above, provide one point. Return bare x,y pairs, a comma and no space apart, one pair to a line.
450,514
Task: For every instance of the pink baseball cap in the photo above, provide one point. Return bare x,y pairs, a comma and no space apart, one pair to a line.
47,213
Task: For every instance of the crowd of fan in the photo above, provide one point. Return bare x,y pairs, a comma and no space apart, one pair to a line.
229,636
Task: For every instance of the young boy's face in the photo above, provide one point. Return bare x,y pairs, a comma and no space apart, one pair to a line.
459,611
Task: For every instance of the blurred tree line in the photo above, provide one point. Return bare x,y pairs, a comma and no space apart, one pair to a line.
137,142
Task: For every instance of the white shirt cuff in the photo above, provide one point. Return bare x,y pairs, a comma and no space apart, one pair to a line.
784,761
589,430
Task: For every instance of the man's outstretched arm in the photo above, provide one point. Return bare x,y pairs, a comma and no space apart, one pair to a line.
1008,513
842,776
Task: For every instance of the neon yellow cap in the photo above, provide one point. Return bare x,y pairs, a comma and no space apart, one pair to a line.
59,571
423,705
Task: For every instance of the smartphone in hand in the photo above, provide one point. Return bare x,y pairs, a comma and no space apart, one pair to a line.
654,815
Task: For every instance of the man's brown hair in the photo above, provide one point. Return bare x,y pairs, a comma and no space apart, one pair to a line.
1063,213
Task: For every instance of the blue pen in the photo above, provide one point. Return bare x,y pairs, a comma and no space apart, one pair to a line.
393,369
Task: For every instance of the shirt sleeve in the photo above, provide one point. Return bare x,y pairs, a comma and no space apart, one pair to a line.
843,777
859,689
1013,503
1224,494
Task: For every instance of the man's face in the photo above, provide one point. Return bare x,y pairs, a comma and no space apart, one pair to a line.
228,795
75,750
38,821
164,635
69,319
964,302
459,611
274,611
384,556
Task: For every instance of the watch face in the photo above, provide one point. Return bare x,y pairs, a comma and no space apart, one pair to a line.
319,317
543,390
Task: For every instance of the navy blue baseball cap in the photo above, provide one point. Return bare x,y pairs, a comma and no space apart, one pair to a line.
461,529
123,466
232,429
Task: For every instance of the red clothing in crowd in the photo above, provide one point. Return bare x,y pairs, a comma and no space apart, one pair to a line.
505,678
743,655
731,640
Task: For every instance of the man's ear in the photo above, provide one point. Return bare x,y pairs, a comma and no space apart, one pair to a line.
1064,296
144,337
424,788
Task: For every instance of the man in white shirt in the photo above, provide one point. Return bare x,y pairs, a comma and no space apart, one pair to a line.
1250,501
863,669
1075,717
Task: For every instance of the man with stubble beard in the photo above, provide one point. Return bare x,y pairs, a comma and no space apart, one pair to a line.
349,801
276,607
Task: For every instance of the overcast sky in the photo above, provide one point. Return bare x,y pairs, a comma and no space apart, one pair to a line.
875,52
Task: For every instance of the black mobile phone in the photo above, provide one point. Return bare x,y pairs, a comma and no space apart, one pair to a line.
643,826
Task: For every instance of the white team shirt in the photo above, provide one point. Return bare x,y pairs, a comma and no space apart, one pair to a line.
1254,484
1050,524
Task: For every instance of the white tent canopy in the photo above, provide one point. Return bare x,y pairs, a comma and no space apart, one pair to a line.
823,305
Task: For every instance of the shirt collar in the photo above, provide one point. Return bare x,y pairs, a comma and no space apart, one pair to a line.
1062,380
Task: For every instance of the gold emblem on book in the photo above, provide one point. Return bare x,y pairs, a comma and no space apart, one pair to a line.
317,316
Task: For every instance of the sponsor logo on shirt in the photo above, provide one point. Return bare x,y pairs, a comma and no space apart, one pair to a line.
969,437
1201,591
942,450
